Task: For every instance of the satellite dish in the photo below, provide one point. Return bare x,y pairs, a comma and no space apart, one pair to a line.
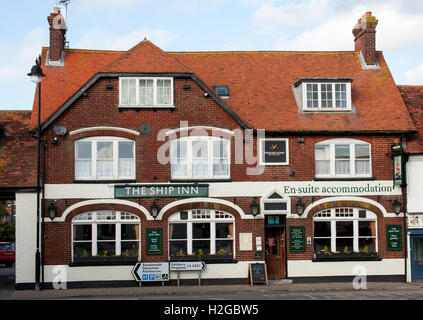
60,130
145,128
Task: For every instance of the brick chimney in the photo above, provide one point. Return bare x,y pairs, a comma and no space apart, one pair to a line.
57,36
365,38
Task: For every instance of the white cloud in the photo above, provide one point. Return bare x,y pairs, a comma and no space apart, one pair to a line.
415,77
14,67
319,26
100,38
100,5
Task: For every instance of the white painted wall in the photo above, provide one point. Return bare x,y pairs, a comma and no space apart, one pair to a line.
307,268
26,218
414,169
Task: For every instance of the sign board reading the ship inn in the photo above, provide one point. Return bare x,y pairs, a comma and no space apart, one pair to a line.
162,191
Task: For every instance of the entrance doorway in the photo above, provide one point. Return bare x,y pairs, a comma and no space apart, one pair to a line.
417,258
275,248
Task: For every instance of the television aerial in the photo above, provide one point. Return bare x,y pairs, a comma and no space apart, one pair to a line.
65,3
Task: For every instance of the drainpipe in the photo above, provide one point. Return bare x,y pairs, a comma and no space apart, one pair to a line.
44,145
405,156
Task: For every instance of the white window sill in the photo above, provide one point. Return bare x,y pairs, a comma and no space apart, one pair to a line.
168,106
328,110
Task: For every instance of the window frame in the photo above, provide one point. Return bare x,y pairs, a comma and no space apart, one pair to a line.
94,219
319,96
204,216
356,219
115,141
261,154
210,160
332,143
137,93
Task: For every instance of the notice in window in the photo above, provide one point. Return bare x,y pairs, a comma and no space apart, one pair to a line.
245,241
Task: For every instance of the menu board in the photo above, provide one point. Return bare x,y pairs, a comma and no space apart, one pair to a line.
297,238
394,237
154,241
258,273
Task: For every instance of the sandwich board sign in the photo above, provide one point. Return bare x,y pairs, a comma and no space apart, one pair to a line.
151,271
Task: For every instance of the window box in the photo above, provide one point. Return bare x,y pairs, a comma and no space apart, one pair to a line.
346,256
212,258
102,260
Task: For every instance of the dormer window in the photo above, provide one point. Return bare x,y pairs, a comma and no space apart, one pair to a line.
222,91
320,95
146,92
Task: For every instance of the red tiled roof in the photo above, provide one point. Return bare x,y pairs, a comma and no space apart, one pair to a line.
17,151
260,84
413,98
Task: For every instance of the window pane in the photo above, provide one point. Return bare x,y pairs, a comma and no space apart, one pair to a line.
200,168
342,159
418,248
82,249
220,149
146,91
201,230
129,248
178,248
178,231
126,168
220,167
322,229
341,95
129,231
179,149
344,229
224,230
322,155
82,232
366,228
322,245
83,168
367,244
224,246
104,168
128,91
326,95
126,149
106,248
344,244
312,96
203,245
106,231
163,91
83,150
199,149
104,150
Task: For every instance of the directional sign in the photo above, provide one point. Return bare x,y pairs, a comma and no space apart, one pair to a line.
151,271
188,266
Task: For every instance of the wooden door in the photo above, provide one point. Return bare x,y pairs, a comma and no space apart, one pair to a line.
275,253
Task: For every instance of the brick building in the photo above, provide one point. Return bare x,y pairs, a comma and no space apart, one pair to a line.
241,157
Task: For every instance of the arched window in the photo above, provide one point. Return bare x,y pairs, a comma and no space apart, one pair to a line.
104,158
200,157
343,158
345,230
106,233
201,231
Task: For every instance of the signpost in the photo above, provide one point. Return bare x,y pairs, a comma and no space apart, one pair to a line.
297,238
188,266
151,271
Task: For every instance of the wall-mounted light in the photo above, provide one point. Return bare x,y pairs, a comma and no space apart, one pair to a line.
300,206
254,208
154,209
55,141
52,211
397,206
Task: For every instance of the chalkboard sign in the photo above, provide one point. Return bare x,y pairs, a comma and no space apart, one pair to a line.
258,273
297,238
394,237
154,241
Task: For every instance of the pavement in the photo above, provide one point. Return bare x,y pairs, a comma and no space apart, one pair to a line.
172,291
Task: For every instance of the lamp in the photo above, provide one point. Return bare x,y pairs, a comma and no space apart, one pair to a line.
397,206
254,208
52,210
300,206
154,209
36,73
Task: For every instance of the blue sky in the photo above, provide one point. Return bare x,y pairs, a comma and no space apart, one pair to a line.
202,25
